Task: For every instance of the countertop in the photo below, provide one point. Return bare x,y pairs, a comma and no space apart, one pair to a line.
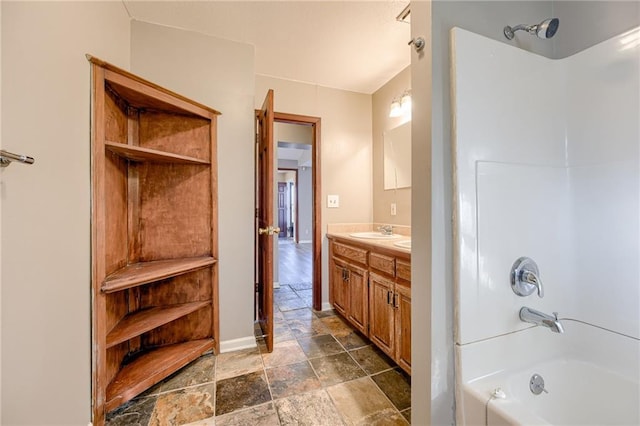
344,231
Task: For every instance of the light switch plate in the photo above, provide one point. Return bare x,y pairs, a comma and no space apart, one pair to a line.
393,209
333,201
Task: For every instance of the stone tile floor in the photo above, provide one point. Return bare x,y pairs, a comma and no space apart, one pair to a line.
321,372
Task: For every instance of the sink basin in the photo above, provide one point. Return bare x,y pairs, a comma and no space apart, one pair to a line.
373,235
403,244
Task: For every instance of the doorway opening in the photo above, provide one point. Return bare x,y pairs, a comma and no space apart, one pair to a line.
266,260
297,205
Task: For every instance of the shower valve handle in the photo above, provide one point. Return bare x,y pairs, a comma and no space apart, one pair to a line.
525,278
531,278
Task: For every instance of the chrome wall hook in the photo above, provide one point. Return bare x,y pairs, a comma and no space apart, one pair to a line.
418,43
7,157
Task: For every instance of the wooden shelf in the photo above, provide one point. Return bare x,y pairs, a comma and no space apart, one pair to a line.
142,321
150,368
139,154
141,273
154,216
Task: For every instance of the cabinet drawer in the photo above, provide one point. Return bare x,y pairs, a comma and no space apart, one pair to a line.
351,253
382,263
403,269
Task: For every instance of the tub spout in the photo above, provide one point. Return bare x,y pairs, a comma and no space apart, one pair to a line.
540,318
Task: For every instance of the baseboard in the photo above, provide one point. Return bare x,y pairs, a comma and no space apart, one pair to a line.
237,344
276,284
326,306
305,241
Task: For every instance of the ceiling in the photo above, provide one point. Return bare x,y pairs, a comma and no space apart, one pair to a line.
349,45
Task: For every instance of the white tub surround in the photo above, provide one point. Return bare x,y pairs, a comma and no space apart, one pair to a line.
591,376
546,165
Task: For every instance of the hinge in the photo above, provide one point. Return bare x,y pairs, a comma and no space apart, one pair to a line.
256,288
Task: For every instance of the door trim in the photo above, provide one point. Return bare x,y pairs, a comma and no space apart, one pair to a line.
314,122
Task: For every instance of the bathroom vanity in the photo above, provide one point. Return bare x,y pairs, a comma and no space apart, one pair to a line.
370,286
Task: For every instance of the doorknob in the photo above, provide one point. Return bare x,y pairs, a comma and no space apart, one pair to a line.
269,230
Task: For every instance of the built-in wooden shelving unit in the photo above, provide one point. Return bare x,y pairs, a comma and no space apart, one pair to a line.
154,235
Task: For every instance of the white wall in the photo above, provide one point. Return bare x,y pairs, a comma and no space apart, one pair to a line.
422,407
345,147
603,132
218,73
586,23
382,123
46,346
1,197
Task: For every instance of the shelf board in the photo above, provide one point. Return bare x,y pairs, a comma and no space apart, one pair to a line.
142,321
150,368
136,153
141,273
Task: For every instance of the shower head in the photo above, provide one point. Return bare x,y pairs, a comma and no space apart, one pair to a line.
545,29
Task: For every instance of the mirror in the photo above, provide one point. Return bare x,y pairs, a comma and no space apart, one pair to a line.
397,157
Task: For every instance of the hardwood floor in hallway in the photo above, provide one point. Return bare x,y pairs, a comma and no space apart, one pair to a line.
295,262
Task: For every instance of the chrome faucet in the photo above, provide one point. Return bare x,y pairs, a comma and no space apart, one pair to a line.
525,278
540,318
386,229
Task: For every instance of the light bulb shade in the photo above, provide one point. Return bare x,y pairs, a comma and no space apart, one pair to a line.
405,104
396,109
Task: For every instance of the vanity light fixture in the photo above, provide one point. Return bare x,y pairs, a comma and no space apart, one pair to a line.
405,103
396,108
401,106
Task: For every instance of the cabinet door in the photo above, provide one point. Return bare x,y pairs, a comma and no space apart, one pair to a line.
381,313
339,287
357,284
403,327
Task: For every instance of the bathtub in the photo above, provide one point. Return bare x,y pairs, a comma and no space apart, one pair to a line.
591,375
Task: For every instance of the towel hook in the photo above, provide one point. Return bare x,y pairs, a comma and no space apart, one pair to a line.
7,157
418,43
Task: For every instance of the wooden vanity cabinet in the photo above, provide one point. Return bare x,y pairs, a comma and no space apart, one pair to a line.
376,283
403,314
349,284
390,307
154,244
403,326
382,313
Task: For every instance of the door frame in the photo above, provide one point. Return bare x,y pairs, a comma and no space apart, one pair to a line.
314,122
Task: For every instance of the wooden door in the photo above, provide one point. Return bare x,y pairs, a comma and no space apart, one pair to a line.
403,327
264,217
282,209
357,283
381,313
